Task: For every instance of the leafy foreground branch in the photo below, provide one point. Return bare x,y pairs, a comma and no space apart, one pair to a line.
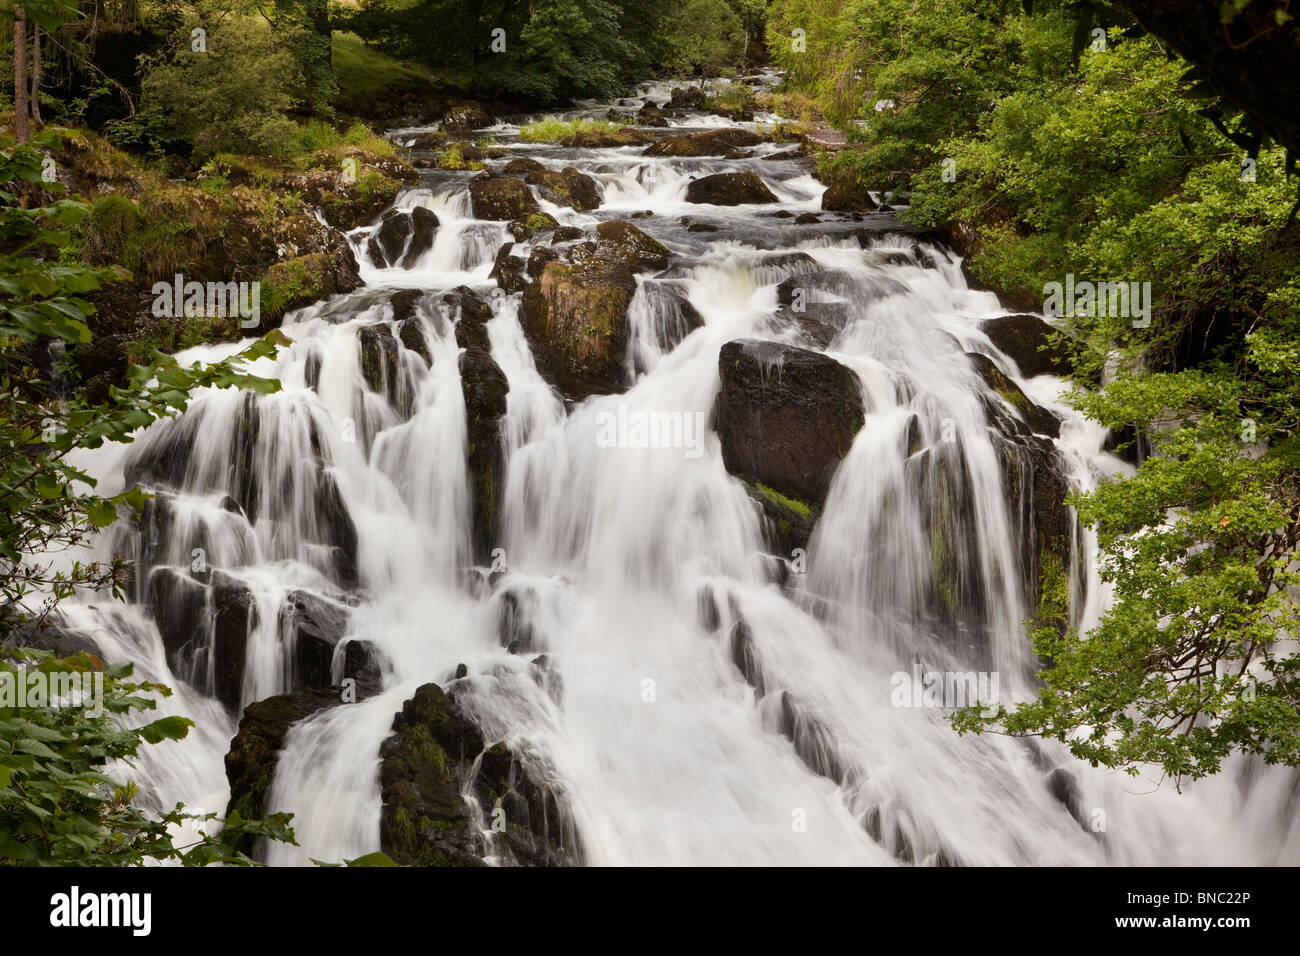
57,805
1196,658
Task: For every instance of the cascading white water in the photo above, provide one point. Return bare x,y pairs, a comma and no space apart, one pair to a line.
662,750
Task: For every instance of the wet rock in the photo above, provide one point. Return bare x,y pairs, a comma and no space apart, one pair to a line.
651,115
687,98
402,237
787,524
575,316
403,304
427,764
606,139
807,219
177,602
846,195
714,142
695,225
313,626
411,334
335,529
1038,418
522,166
1027,340
485,389
729,189
566,234
786,417
234,616
529,226
538,259
625,243
465,118
744,654
508,270
501,197
469,315
51,634
380,362
255,751
568,187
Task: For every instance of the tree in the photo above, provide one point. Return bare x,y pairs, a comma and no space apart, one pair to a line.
22,127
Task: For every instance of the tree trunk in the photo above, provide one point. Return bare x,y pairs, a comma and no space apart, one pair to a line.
22,125
36,74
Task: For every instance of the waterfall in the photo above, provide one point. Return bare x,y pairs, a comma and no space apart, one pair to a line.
701,700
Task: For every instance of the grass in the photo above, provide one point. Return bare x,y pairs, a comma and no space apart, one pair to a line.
451,158
315,135
554,130
362,71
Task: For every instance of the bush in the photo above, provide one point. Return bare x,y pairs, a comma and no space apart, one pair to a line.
234,97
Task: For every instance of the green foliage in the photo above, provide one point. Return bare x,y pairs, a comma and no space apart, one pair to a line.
232,97
702,36
557,49
59,808
1046,155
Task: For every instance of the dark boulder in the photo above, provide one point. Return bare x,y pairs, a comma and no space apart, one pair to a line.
313,626
714,142
255,750
469,315
576,319
846,195
426,766
1038,418
485,389
526,227
786,416
568,187
401,237
729,189
508,270
606,138
465,118
178,603
501,197
234,616
625,243
1027,340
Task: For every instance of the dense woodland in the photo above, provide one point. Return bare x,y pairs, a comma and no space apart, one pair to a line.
1112,141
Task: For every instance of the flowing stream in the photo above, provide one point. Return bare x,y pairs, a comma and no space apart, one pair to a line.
660,749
